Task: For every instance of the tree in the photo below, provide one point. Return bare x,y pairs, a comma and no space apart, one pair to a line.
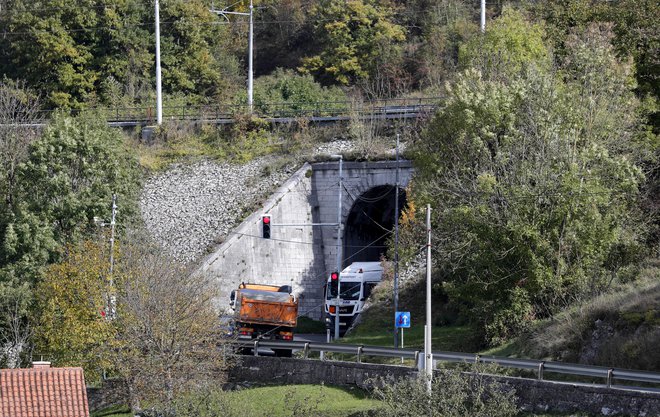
80,53
15,330
19,111
168,330
354,36
510,43
533,185
297,92
72,172
73,328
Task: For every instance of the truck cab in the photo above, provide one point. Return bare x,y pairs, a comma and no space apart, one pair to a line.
356,282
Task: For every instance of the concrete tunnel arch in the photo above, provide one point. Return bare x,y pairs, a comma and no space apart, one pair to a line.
370,223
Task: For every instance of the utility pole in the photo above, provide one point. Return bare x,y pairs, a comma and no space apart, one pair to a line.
112,237
339,251
428,355
396,245
483,16
113,299
159,92
250,53
250,84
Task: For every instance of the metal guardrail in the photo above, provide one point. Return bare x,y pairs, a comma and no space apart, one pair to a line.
290,110
539,367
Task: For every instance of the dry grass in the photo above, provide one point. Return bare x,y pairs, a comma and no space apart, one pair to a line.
619,328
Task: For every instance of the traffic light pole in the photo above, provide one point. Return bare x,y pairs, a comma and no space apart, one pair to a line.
339,251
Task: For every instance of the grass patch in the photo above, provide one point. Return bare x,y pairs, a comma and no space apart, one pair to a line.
615,329
303,399
272,401
448,338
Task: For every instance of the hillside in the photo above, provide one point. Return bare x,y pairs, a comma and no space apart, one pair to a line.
540,163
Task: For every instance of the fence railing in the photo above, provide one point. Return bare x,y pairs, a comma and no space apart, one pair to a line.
219,112
537,366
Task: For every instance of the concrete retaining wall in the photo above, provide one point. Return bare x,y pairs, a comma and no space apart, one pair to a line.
289,258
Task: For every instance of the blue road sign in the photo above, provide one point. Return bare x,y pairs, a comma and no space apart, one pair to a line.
402,319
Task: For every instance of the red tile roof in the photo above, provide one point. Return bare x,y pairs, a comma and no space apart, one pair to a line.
43,392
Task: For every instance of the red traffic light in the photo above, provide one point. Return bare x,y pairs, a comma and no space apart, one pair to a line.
334,276
265,227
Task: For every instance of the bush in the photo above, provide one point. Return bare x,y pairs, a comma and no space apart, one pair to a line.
454,394
287,93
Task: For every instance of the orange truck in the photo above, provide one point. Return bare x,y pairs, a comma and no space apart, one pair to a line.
265,312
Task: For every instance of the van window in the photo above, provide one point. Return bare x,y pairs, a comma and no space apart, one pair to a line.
368,286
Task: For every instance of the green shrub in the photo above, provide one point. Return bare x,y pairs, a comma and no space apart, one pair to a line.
287,93
453,394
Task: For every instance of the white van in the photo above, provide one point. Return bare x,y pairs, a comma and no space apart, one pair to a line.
356,282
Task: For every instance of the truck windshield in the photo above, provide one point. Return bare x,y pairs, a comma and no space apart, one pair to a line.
349,291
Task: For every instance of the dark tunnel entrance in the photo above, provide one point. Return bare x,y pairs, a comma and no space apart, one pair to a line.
370,223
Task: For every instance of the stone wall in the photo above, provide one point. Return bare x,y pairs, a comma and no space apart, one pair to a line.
282,371
533,395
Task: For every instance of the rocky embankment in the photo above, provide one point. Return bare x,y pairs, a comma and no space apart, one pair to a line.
190,208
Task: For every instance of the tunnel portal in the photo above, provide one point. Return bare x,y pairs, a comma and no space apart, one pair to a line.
370,224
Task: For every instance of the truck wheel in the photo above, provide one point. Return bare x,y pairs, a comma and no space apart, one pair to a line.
283,353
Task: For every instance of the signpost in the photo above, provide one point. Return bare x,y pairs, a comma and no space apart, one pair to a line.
402,321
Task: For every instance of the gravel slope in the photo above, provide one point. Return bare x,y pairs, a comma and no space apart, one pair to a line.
190,208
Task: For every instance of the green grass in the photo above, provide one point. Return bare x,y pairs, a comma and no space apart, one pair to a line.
448,338
318,400
279,401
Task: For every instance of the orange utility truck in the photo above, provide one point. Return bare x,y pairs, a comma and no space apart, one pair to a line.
265,312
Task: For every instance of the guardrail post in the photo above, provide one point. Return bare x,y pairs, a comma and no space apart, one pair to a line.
256,348
306,350
540,371
359,354
609,377
477,358
417,358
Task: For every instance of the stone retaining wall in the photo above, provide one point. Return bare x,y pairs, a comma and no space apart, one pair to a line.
533,395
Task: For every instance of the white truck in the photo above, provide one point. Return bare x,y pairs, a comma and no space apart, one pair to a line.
356,282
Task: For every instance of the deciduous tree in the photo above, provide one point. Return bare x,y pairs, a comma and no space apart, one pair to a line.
533,180
73,328
167,327
353,36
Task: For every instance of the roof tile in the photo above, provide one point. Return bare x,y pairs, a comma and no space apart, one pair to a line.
43,392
